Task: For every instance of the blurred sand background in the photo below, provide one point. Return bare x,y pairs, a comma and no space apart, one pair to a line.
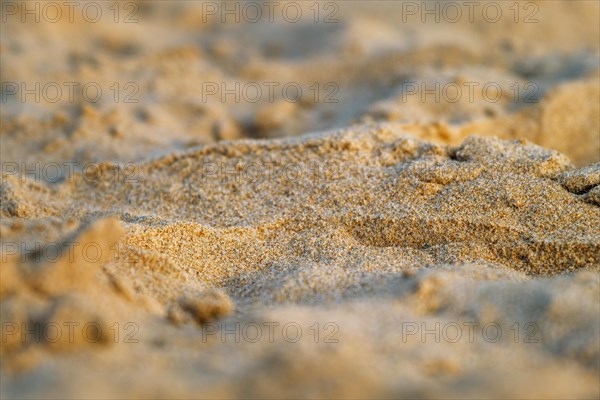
377,202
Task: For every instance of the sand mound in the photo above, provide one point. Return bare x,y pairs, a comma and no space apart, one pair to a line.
168,234
369,227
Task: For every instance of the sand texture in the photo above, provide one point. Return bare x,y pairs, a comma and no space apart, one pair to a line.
380,246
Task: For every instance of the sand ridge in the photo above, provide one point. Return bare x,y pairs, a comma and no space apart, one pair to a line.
376,238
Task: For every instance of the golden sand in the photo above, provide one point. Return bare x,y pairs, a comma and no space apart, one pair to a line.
209,249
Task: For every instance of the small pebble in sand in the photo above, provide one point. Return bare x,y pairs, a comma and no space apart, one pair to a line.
210,305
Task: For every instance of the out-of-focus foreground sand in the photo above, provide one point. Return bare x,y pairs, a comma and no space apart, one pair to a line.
438,248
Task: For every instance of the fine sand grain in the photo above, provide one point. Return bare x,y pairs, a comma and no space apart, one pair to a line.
201,248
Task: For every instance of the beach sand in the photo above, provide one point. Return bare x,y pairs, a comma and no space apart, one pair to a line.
369,240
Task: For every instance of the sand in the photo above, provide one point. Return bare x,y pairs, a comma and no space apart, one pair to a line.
385,245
